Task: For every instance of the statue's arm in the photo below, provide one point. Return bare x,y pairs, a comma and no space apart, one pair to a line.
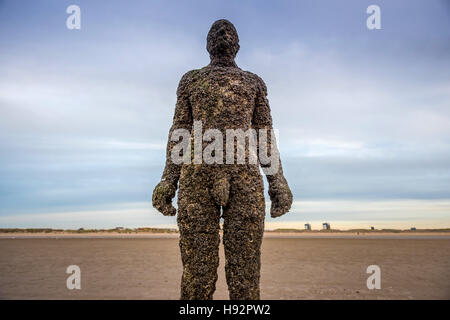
279,191
165,191
182,119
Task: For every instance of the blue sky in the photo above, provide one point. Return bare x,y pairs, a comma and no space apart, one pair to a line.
363,115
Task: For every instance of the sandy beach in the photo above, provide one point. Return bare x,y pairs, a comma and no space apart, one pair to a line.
294,266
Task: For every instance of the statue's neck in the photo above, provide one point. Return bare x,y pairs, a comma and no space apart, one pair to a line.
222,61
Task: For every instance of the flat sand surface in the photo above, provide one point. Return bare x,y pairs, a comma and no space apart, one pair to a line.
293,267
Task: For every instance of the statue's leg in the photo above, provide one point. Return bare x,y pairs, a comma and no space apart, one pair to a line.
199,246
242,237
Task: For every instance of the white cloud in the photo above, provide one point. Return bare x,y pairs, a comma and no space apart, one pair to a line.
125,215
347,214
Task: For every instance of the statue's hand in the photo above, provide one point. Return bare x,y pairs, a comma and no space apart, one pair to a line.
281,197
162,198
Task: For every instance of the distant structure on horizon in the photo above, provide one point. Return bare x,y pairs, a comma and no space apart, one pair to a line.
372,228
326,226
413,228
307,226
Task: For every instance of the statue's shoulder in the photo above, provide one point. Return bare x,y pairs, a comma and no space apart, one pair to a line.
258,81
190,75
193,75
188,78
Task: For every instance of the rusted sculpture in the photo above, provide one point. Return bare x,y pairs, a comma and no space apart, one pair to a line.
221,96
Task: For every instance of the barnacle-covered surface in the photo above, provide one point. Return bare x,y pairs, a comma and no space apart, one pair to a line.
221,96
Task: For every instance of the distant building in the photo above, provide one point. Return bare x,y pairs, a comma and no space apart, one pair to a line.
413,229
326,226
307,226
372,228
120,228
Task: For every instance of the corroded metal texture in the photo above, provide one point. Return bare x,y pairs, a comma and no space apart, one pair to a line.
221,96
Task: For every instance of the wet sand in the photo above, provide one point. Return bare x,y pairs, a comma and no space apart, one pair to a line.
293,267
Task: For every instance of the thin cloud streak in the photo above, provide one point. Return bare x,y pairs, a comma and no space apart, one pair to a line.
401,214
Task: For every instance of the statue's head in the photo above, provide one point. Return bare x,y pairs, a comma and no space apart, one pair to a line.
222,40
